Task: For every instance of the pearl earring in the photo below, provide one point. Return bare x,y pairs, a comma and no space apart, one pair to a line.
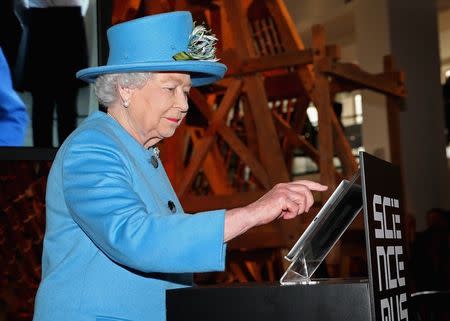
125,103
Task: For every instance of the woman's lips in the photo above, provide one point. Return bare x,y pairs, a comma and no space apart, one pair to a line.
173,120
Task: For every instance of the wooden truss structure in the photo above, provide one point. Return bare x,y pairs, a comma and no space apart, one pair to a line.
242,140
249,125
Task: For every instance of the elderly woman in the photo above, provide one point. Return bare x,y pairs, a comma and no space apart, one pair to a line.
117,237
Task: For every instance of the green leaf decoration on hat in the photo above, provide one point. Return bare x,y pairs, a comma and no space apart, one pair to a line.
201,46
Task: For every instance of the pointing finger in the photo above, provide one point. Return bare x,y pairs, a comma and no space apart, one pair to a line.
312,185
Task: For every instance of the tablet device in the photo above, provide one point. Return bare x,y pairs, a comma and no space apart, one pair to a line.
326,228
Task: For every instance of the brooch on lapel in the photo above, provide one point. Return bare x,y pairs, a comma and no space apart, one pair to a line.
156,151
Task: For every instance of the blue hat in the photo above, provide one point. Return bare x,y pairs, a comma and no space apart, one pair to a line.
162,42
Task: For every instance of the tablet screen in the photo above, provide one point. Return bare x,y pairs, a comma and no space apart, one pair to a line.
329,224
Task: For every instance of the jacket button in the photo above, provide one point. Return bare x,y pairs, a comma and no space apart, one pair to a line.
172,206
154,161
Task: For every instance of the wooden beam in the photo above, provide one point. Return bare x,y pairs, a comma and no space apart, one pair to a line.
237,271
250,130
301,115
290,38
297,139
201,103
393,107
215,22
245,155
226,104
285,25
342,85
215,170
343,148
300,142
283,86
387,83
199,154
278,61
239,28
203,145
321,99
281,60
269,151
230,137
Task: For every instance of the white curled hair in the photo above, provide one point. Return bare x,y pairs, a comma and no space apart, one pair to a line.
106,85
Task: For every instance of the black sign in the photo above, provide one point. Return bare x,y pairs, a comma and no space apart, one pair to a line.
385,239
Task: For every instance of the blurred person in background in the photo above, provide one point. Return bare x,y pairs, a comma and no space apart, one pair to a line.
13,114
430,256
56,50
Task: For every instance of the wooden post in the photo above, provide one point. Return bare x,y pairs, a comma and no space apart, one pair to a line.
270,151
321,99
393,115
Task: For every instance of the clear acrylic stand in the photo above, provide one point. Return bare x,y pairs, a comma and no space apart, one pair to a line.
324,231
297,272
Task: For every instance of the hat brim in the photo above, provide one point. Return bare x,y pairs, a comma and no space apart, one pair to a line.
202,72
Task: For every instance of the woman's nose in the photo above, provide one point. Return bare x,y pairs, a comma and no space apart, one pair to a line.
182,101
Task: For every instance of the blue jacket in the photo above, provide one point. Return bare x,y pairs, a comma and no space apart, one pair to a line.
112,243
13,113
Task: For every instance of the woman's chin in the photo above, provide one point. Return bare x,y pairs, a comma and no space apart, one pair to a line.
167,133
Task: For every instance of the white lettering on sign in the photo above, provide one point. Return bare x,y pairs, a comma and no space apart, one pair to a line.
389,256
384,232
378,216
388,234
400,266
385,257
392,308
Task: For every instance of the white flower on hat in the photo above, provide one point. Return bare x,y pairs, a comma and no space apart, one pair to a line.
201,46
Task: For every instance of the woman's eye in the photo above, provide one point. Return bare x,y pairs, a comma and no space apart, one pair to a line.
169,88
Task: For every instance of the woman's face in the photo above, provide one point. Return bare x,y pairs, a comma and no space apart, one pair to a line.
158,108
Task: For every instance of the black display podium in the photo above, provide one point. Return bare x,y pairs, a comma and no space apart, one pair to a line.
376,188
327,300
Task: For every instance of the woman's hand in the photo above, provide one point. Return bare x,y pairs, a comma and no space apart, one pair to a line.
284,200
